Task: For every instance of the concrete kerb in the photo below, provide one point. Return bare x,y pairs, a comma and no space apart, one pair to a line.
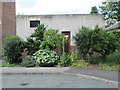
60,71
92,78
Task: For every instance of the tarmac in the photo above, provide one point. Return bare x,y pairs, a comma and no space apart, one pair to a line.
109,77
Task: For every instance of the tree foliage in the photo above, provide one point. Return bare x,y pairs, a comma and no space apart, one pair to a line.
13,48
33,42
98,40
111,12
94,10
83,40
51,39
104,41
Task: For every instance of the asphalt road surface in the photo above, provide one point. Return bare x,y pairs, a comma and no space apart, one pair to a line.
49,81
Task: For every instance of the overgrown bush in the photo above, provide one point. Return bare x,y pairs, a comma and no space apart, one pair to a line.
28,61
12,49
46,58
104,41
66,59
83,41
113,58
51,40
89,41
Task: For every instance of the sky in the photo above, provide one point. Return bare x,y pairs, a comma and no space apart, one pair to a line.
39,7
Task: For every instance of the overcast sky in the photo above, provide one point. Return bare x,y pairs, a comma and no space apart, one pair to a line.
36,7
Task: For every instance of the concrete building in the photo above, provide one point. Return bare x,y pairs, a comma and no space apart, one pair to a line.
7,20
67,24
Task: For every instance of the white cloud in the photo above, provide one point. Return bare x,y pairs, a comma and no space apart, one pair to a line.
58,6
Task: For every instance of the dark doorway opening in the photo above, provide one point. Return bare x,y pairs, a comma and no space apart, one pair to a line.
67,41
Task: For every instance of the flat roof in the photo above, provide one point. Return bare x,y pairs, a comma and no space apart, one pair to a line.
60,15
115,26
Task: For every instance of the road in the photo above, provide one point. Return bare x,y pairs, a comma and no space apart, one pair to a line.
49,81
57,77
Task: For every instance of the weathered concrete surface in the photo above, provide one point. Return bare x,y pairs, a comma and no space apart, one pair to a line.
34,70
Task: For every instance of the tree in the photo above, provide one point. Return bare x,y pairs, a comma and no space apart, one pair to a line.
83,41
94,10
111,12
51,39
12,49
102,41
33,42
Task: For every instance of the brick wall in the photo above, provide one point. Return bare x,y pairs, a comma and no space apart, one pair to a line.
0,28
8,20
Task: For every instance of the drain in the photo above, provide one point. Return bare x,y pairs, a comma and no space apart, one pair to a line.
24,84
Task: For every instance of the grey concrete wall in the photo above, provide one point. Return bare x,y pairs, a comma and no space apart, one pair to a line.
65,22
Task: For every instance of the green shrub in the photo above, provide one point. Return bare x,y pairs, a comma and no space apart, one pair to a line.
97,40
66,59
96,60
28,61
113,58
51,40
33,42
9,65
80,64
12,49
73,56
83,41
46,58
108,67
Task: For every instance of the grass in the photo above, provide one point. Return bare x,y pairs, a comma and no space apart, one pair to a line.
9,65
109,67
98,66
80,64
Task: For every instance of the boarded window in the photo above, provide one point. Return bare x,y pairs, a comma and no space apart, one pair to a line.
34,23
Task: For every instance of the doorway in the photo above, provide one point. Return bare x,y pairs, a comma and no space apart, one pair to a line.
67,41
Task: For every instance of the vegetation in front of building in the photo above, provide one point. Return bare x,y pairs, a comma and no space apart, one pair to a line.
33,42
45,58
40,51
28,61
103,42
51,40
12,49
9,65
67,59
97,40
